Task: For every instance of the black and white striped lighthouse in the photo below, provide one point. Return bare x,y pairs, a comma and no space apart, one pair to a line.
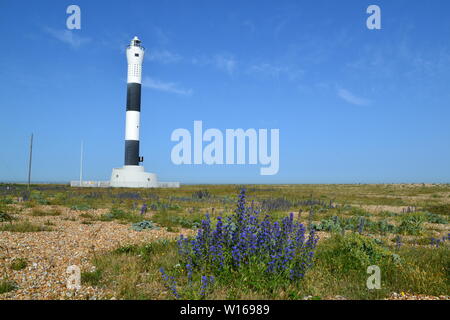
132,175
135,56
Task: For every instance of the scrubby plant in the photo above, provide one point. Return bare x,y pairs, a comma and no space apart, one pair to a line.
23,226
92,278
38,197
7,286
330,225
412,223
356,224
442,209
7,200
158,206
435,218
119,214
139,226
88,216
167,219
81,207
201,194
40,212
353,252
277,204
19,264
5,217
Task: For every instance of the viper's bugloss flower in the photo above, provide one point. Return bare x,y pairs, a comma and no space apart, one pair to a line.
243,239
170,283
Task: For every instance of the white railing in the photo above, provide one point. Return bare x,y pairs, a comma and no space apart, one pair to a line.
105,184
91,184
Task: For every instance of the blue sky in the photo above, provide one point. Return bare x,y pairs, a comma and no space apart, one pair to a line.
352,104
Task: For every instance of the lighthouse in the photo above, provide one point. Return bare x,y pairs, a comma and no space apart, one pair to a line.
135,56
132,175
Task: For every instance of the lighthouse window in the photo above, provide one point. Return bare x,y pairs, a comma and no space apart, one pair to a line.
136,54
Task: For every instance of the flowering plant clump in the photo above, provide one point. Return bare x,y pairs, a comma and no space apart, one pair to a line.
246,241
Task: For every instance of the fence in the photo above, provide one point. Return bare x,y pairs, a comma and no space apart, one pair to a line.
90,184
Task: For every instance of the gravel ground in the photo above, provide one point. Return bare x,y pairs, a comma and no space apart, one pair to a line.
49,253
408,296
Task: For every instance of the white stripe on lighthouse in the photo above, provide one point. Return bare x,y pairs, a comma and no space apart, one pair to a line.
132,125
134,73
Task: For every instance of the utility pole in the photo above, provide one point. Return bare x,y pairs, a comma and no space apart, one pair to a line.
29,163
81,164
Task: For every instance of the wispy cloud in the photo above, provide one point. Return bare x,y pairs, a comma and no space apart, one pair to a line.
163,56
274,71
225,63
69,37
170,87
222,62
351,98
267,70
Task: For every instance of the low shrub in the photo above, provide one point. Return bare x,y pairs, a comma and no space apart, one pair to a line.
352,252
201,194
442,209
158,206
435,218
19,264
81,207
40,212
7,286
139,226
412,223
92,278
5,217
357,224
167,219
119,214
6,201
23,226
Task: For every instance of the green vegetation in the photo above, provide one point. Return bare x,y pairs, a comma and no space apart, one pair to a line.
169,219
41,212
341,265
5,213
121,215
442,209
340,269
23,226
412,223
91,278
435,218
19,264
5,217
357,224
81,207
7,286
403,229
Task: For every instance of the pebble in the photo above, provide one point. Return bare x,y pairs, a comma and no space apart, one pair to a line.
49,253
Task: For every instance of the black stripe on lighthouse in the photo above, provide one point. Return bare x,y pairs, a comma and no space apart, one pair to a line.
131,152
134,97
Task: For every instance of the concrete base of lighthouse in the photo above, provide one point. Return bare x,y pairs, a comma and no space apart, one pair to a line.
133,177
